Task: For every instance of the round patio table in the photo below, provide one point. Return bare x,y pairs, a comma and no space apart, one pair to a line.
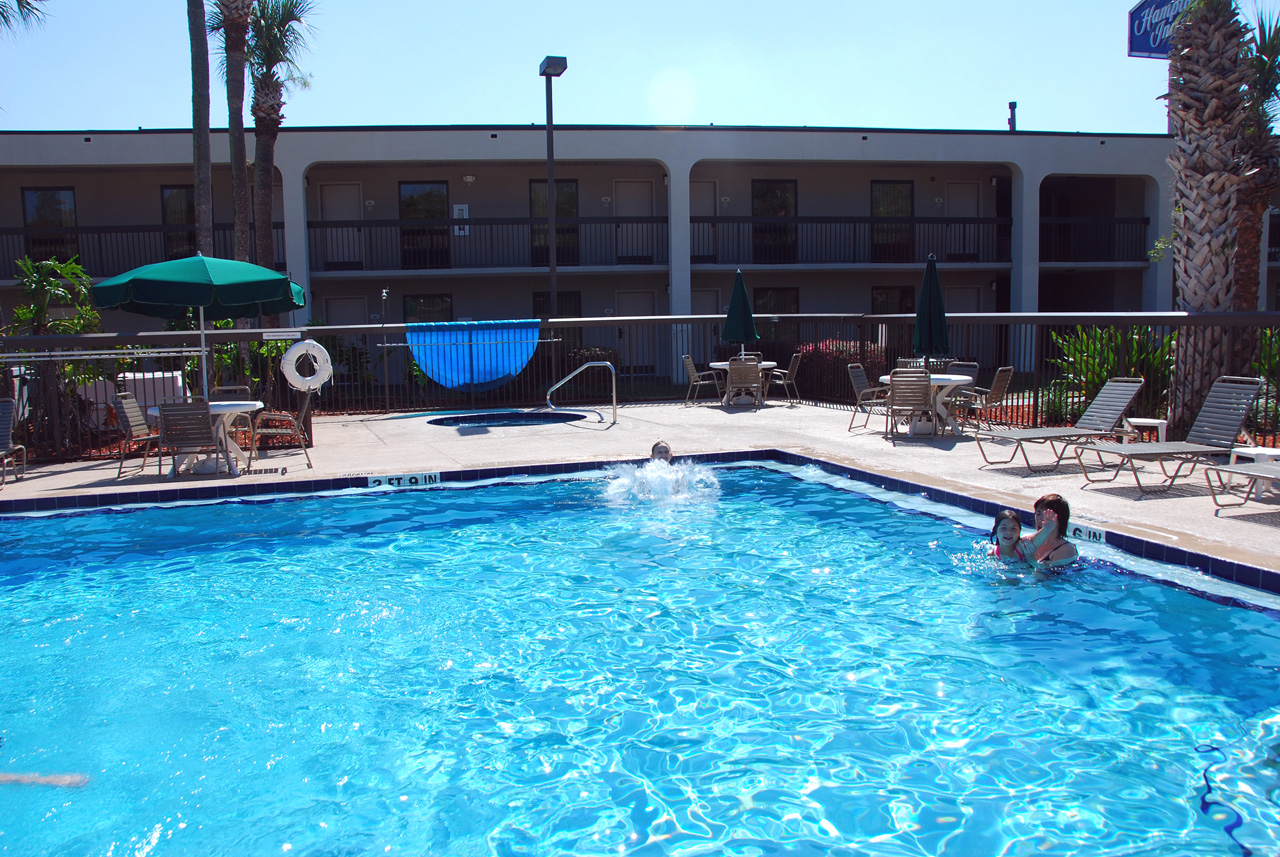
223,413
723,366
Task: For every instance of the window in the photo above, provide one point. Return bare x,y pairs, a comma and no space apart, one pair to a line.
427,308
773,241
892,299
46,209
427,247
178,209
893,241
567,251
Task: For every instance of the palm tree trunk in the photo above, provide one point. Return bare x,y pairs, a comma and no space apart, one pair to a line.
236,31
200,126
264,168
1252,204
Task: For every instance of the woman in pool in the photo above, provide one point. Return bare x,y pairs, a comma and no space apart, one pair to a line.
1048,548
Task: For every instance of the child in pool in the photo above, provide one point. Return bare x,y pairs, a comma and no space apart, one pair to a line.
1006,538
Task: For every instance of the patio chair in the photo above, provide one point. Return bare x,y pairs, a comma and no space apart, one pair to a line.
282,424
1101,419
186,428
910,399
984,400
8,449
744,379
866,397
1258,477
698,380
787,378
1215,431
133,429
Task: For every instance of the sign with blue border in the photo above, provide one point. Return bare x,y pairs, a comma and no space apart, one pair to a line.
1151,27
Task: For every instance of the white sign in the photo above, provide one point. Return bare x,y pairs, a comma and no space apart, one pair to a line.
408,480
461,211
268,335
1087,534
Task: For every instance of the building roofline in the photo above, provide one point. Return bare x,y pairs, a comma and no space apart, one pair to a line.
766,129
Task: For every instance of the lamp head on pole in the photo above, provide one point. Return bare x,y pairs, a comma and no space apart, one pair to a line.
553,66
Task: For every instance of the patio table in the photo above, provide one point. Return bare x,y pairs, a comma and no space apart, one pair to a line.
942,385
223,412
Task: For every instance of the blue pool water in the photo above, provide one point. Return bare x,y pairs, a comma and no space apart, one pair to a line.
737,662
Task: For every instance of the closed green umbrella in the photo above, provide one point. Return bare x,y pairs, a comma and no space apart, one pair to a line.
217,289
930,338
739,325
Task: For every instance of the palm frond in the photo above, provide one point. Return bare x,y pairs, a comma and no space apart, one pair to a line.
20,13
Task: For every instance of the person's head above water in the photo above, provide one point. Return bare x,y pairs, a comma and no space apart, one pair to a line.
1059,507
661,451
1007,528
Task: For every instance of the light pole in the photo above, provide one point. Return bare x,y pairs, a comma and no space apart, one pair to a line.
551,67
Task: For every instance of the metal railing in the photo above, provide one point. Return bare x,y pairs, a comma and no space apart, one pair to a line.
104,251
488,242
848,240
613,377
1092,239
1060,360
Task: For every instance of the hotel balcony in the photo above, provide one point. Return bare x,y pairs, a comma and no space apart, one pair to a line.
104,251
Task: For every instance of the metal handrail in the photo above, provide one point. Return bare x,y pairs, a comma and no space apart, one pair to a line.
613,374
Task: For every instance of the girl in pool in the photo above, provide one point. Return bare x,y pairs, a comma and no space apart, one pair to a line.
1006,537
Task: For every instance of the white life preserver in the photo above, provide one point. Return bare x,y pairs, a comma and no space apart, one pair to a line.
314,350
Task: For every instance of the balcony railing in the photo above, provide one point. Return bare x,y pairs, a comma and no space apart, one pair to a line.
1092,239
848,240
105,251
490,242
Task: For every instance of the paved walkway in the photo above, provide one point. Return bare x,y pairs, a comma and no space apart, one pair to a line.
388,444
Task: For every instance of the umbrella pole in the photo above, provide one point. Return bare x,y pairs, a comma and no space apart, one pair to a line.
204,358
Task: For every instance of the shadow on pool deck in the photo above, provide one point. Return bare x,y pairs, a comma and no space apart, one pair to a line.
385,444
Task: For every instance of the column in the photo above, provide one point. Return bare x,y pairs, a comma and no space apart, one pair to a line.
297,260
1024,289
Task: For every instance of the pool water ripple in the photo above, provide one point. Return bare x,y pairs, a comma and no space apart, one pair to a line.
663,661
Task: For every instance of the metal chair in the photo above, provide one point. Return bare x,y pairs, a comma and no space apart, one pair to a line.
133,429
910,398
8,449
697,380
282,424
787,378
744,379
987,399
186,428
866,396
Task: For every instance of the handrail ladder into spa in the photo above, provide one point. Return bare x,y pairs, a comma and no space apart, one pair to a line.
613,377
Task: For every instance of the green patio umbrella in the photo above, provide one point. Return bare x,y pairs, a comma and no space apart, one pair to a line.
739,325
217,289
930,337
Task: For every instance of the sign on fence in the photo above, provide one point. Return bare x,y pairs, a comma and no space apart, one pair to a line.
1151,26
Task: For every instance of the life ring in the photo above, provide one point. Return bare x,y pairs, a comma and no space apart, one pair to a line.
314,350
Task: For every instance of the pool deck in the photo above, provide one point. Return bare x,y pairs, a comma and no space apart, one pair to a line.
393,444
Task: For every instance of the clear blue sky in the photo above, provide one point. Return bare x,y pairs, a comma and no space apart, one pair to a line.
925,64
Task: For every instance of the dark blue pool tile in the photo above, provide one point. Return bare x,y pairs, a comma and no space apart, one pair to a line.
1200,562
1268,580
1248,575
1175,555
46,504
1223,569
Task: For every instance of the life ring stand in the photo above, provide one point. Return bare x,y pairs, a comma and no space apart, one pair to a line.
314,350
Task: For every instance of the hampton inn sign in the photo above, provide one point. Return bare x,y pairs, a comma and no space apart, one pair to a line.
1151,24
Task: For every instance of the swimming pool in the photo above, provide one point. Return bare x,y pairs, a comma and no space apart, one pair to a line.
588,666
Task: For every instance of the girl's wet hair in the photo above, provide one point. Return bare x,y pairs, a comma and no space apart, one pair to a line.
1000,516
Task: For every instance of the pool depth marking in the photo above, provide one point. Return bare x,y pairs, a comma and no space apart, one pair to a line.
406,480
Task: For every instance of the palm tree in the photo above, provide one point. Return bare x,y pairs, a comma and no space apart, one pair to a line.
20,13
230,20
200,126
277,37
1261,177
1207,76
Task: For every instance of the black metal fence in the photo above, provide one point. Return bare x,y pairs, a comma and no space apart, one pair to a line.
489,242
63,384
1089,239
104,251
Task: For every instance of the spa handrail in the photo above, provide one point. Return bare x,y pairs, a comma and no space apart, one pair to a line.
567,378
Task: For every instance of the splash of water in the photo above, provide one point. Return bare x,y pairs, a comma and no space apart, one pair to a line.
658,481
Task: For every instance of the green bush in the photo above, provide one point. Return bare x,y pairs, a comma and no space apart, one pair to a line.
1092,356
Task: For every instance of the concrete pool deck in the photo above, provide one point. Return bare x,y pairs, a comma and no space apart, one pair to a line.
393,444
